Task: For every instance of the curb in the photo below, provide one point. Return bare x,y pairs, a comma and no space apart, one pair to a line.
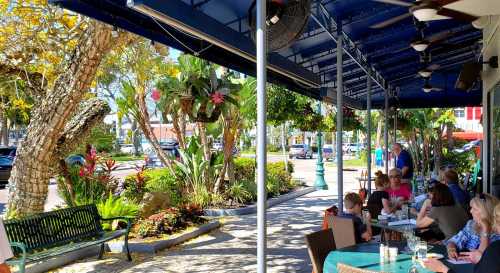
153,247
253,208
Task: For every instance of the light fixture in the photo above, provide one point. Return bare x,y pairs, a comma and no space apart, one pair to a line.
425,73
424,13
420,45
114,32
427,88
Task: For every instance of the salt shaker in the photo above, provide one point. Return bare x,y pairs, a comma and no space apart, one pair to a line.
382,250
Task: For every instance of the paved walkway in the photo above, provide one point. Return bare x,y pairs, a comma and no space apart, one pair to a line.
233,247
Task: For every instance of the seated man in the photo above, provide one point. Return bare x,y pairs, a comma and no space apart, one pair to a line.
353,206
451,179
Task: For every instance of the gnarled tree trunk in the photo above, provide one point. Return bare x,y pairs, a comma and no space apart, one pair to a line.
35,155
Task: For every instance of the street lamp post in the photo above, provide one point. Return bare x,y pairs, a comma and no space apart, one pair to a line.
320,170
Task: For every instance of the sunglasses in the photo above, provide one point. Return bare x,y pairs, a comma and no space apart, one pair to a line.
395,176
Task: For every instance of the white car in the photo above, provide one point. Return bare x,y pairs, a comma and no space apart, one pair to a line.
127,148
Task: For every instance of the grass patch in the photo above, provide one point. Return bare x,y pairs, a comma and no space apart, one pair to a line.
350,163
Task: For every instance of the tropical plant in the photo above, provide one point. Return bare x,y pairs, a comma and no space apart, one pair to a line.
238,192
307,120
86,184
114,207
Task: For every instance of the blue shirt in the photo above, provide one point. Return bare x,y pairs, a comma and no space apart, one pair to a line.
468,238
459,194
379,153
359,227
404,160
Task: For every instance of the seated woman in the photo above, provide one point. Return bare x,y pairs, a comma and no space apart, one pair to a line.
476,235
441,210
398,193
353,205
487,262
379,199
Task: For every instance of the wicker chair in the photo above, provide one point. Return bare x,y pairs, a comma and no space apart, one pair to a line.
343,231
319,244
343,268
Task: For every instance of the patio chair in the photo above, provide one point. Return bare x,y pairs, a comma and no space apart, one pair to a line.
343,268
343,231
319,244
329,213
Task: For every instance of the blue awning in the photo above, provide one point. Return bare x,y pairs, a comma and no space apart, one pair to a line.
217,30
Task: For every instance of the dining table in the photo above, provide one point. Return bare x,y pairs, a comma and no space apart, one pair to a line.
384,225
366,256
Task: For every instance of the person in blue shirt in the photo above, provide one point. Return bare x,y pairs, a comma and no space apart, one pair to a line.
404,162
451,179
379,157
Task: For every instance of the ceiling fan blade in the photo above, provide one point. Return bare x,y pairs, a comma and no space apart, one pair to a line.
445,2
437,89
433,67
391,21
458,15
395,2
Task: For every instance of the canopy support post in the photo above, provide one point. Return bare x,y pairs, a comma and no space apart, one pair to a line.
340,84
369,131
395,131
261,136
386,133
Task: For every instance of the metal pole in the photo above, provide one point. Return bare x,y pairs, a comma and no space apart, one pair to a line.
340,182
386,133
261,136
395,130
320,170
486,147
369,131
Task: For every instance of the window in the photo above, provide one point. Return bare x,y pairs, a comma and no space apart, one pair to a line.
460,113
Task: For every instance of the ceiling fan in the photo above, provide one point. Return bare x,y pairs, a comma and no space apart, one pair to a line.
427,88
425,10
427,70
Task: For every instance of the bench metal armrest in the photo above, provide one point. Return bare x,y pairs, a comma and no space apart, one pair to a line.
21,246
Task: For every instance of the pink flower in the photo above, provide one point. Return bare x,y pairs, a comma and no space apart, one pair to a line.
82,172
155,95
217,98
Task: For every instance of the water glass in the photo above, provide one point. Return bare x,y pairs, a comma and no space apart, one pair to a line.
421,250
366,215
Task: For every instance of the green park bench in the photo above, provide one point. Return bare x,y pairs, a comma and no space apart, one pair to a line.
47,235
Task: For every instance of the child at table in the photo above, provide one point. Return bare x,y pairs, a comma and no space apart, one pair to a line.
379,200
353,206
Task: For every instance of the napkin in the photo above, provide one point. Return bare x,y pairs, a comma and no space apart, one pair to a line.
453,261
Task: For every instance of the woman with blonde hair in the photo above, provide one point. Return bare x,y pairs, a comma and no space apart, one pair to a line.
477,233
487,262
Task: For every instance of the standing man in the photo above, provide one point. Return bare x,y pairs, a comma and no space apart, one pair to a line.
404,162
379,157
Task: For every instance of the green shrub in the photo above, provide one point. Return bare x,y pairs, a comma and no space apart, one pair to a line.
273,148
278,177
244,169
154,180
250,187
114,207
239,193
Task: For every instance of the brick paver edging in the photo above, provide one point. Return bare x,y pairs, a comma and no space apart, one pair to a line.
253,208
154,246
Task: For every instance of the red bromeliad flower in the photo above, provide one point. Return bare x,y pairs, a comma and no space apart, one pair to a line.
217,98
155,95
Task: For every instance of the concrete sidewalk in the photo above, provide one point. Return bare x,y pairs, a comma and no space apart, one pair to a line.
233,247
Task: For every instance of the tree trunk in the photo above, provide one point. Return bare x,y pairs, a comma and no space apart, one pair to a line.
204,140
135,138
379,133
31,171
143,121
177,128
5,130
283,146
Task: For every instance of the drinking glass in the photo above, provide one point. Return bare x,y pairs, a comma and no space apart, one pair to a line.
421,250
365,214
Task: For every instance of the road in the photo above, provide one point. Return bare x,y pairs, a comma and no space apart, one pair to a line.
305,170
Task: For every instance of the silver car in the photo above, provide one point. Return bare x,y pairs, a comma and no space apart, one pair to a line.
300,151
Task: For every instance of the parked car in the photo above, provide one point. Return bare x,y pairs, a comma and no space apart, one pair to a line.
8,151
5,169
75,160
300,151
153,161
327,153
127,148
350,148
